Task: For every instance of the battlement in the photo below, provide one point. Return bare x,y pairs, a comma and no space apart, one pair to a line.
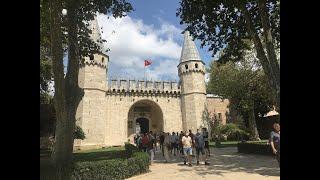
191,67
100,60
141,86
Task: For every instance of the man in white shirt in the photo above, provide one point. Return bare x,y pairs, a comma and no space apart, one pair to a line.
187,143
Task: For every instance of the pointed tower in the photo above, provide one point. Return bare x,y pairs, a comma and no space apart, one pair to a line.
91,112
191,70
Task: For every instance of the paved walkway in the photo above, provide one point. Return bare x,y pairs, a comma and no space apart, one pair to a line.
226,164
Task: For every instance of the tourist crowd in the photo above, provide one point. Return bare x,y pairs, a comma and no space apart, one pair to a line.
182,144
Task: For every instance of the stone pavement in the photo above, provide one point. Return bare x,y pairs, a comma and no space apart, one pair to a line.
226,164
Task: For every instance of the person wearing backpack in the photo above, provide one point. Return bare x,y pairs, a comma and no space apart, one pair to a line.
145,141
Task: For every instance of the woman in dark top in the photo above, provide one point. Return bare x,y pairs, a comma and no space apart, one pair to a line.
275,141
161,142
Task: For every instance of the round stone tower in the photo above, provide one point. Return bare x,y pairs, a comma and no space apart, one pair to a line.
191,70
91,112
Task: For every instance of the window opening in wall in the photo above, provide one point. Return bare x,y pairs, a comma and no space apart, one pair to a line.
196,65
102,59
186,66
219,116
91,57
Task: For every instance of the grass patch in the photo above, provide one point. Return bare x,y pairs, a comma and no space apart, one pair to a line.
100,154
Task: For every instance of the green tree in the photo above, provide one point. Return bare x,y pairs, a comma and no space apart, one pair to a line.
223,24
69,33
45,61
246,87
206,119
216,129
78,133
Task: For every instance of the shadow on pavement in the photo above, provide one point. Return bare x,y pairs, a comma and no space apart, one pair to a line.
229,160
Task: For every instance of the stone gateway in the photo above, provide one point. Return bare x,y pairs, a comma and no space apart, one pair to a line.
110,113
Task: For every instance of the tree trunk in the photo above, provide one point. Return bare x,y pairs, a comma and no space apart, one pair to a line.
59,155
67,92
267,67
270,46
253,124
73,91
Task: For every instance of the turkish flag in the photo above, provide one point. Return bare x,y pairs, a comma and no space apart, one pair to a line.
147,62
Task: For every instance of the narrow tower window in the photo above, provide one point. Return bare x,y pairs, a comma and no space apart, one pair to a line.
91,57
186,66
196,65
102,59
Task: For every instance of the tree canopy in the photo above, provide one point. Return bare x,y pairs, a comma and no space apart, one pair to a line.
227,24
245,85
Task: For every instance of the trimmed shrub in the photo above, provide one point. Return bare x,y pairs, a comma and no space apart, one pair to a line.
233,132
130,148
112,169
78,133
261,148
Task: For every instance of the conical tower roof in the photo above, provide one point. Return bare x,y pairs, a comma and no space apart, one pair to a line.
189,49
96,35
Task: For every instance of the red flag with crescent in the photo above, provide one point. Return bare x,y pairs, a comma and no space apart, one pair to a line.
147,62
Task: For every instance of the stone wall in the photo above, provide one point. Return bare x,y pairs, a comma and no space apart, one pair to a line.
118,109
218,105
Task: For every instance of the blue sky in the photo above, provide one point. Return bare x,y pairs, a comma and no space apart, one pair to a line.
150,10
151,31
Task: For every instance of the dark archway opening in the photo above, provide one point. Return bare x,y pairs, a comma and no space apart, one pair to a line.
144,124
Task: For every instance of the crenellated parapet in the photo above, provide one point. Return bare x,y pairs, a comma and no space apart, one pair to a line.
117,86
100,60
191,67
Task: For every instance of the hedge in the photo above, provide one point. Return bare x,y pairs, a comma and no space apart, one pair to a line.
130,148
137,163
255,148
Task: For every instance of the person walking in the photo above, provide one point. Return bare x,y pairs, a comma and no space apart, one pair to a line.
139,142
275,141
151,146
192,138
199,145
173,143
155,141
177,143
145,141
166,146
187,148
180,142
161,142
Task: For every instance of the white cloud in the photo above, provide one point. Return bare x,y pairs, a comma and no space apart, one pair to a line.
131,42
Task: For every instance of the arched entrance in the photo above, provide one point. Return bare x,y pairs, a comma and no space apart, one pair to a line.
144,116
